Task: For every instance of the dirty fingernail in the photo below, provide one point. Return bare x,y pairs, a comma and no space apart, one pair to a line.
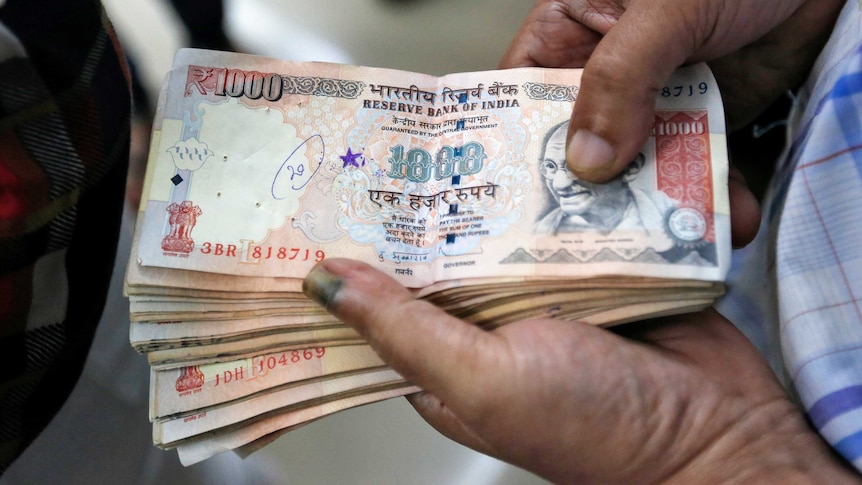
321,286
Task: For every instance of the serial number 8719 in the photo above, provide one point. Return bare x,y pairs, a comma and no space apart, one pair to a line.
687,90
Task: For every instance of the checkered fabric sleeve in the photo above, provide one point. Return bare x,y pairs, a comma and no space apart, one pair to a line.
797,290
64,146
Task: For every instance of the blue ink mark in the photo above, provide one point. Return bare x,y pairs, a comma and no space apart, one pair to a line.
350,159
453,208
299,169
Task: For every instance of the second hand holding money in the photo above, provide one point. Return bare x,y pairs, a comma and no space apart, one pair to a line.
576,403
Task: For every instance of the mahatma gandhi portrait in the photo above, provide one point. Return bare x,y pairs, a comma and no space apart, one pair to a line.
584,206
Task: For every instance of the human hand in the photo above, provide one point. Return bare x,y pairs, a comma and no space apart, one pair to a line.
683,399
629,49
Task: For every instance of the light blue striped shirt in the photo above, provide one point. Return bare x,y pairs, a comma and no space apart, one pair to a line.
796,291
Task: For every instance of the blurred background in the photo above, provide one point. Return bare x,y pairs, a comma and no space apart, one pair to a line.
102,434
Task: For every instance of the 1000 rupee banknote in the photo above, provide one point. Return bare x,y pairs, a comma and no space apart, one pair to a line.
263,167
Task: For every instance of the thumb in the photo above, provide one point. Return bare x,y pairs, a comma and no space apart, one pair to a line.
616,103
440,353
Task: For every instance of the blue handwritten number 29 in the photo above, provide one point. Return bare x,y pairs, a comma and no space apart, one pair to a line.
297,169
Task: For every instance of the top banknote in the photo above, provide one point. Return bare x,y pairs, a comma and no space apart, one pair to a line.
263,167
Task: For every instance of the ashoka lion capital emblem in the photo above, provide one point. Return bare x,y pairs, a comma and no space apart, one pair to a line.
190,378
183,218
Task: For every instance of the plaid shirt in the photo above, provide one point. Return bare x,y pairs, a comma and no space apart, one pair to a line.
64,145
808,255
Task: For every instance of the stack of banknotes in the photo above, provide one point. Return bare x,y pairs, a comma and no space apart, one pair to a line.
456,186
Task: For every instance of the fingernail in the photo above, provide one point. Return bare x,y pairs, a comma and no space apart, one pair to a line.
321,286
587,152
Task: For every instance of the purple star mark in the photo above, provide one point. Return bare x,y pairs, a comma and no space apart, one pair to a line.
351,159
